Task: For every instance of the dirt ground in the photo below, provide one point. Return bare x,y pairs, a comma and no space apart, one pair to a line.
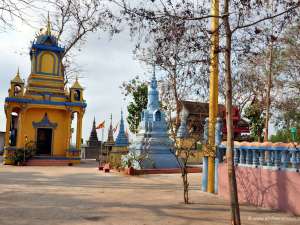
82,195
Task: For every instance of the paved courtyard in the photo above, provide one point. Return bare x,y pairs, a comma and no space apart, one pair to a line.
81,195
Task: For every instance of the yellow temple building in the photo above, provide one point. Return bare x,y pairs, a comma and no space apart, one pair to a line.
41,110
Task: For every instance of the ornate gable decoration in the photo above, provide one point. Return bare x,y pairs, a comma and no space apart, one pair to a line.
44,123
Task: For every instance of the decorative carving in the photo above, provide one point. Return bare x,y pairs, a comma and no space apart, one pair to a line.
209,151
45,122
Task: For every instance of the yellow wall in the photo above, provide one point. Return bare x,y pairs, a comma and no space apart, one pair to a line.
47,62
59,139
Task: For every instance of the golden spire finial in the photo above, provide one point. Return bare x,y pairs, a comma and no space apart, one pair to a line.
17,78
48,25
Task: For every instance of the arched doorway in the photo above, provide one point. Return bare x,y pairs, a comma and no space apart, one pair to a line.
13,131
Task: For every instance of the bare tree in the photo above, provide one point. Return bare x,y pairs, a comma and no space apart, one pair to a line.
12,10
74,21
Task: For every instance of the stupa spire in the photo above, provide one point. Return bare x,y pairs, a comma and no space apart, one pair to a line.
153,101
110,137
93,135
122,139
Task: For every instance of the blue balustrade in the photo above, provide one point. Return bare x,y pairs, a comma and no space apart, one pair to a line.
279,157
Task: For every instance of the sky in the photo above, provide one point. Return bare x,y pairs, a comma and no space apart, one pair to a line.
105,64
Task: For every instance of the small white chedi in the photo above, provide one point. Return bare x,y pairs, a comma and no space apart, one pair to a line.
152,147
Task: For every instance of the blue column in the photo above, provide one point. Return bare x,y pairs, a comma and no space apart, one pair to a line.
204,173
218,141
216,174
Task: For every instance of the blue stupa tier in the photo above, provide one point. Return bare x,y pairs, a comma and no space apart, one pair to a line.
152,146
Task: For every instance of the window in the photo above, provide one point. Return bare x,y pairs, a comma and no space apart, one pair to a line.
77,95
157,116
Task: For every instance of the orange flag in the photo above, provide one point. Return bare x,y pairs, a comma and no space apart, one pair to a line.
115,129
101,125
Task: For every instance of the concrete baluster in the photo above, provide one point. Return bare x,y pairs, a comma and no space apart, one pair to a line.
298,157
269,159
248,157
284,159
277,158
262,157
242,156
255,153
236,156
294,159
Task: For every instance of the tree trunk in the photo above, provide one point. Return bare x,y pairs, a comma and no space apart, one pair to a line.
185,185
235,211
177,120
268,100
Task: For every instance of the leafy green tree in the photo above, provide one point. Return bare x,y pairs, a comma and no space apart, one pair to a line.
254,113
284,135
136,106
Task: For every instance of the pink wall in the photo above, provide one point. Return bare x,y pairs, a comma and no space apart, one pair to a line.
264,187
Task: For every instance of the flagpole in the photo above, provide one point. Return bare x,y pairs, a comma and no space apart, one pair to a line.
100,158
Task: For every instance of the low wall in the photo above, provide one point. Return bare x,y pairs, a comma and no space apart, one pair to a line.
276,189
161,171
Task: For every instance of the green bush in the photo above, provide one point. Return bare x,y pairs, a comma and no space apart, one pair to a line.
22,155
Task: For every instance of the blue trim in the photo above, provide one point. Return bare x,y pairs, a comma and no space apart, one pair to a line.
45,102
47,47
73,150
48,93
10,148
